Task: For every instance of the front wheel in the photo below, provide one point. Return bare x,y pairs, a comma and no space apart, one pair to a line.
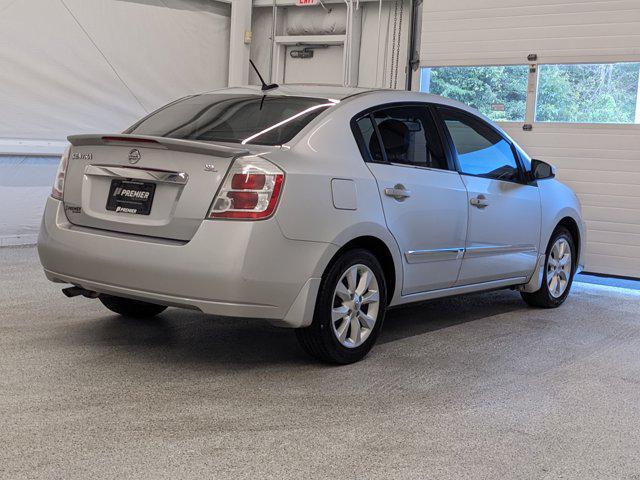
350,309
558,272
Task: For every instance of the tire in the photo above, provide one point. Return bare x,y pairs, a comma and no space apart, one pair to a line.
350,337
131,308
545,297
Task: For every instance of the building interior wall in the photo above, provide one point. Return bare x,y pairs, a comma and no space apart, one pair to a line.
94,66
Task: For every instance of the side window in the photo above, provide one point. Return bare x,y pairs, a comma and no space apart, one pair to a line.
370,139
408,134
481,150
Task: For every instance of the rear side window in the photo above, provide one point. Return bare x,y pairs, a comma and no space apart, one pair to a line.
370,138
253,119
408,135
480,149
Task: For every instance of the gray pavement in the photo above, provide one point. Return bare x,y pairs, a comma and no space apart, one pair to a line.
473,387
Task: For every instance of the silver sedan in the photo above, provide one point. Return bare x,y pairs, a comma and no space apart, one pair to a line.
315,208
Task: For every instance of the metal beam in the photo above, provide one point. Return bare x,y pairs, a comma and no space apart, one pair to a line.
288,3
238,49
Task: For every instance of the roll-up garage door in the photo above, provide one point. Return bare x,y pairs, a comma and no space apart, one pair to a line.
581,103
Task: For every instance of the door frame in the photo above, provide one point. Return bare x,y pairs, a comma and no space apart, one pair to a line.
364,150
523,179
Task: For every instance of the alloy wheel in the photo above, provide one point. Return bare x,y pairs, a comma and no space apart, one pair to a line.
559,267
356,303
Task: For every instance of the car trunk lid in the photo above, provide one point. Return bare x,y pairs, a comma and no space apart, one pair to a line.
144,185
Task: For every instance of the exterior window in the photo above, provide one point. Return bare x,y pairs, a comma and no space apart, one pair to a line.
480,149
588,93
499,92
370,139
215,117
409,137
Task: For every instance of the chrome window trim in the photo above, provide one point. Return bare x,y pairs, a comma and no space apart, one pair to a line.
158,176
435,255
439,254
489,250
420,167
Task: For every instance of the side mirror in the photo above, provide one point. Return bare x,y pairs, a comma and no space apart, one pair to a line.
541,170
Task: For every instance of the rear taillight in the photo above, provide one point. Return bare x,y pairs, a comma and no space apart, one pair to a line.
58,184
250,190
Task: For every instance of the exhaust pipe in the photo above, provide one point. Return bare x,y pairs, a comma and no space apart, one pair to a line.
76,291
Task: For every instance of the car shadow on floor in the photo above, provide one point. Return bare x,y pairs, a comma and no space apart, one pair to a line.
420,318
187,336
184,336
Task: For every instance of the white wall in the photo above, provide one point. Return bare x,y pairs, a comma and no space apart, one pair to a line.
373,70
76,66
369,58
600,162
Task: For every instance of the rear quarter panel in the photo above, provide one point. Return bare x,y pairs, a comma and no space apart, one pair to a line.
325,151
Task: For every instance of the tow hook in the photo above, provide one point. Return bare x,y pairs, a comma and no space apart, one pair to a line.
76,291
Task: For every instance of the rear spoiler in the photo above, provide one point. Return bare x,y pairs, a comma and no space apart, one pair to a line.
147,141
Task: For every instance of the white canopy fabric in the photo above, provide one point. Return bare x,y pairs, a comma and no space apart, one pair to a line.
83,66
75,66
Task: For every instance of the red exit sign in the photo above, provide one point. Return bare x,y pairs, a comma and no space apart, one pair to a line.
305,3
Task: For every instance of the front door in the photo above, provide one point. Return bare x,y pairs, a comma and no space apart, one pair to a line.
424,202
503,232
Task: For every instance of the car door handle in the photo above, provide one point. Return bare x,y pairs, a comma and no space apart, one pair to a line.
398,192
480,201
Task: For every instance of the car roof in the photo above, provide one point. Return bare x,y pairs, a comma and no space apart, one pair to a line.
336,92
340,93
298,89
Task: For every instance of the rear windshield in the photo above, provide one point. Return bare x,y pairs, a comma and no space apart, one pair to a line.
259,119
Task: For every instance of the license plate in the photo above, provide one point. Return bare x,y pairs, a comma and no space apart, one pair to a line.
126,196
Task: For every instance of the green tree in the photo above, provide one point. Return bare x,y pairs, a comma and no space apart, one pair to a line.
485,88
585,93
594,93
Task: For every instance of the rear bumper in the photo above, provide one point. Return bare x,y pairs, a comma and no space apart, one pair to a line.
230,268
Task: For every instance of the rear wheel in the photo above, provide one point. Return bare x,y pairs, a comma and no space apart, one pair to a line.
131,308
350,310
558,272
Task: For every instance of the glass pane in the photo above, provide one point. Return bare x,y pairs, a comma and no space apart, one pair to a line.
258,119
588,93
370,139
409,136
498,92
480,149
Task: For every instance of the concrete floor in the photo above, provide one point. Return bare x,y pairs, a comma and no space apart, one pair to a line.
473,387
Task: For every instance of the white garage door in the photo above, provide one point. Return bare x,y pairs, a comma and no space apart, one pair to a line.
581,98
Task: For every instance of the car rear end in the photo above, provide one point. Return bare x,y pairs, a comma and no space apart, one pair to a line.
179,211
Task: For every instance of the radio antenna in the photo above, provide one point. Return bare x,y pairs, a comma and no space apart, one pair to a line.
265,87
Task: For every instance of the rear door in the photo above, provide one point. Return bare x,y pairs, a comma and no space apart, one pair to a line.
503,233
424,201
